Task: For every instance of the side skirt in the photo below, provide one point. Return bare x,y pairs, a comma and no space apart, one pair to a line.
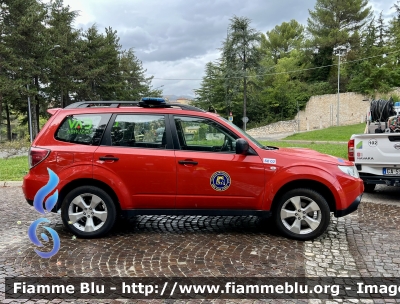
210,212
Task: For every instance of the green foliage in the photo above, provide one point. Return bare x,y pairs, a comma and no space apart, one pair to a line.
134,83
40,48
242,55
281,40
334,24
293,66
212,90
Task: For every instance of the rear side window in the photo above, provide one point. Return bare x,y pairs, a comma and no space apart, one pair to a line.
140,131
86,129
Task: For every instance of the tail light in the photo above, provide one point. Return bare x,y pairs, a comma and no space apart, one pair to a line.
350,150
37,155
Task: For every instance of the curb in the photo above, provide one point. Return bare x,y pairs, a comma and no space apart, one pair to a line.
10,183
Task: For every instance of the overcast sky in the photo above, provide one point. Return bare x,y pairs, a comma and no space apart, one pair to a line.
176,38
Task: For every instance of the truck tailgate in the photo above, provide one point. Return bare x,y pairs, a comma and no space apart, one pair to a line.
378,153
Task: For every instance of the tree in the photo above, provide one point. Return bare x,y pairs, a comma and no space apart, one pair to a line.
281,40
63,53
335,23
23,35
98,65
212,91
241,52
133,83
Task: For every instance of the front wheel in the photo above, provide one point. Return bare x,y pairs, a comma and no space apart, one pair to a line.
88,212
302,214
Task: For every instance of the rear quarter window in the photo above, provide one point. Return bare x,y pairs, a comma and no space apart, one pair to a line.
86,129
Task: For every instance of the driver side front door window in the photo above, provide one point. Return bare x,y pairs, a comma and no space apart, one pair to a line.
200,134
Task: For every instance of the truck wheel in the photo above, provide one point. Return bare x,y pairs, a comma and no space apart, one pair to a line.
302,214
88,212
369,188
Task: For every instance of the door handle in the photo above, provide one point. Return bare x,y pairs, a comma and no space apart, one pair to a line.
187,162
108,158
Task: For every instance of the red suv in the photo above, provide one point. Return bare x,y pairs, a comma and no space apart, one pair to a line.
151,157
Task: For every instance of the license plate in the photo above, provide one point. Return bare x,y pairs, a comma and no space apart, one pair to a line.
391,171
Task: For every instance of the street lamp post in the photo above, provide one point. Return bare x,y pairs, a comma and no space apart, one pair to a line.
29,115
339,49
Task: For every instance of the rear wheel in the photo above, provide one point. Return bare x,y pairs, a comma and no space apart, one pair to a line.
369,187
88,212
302,214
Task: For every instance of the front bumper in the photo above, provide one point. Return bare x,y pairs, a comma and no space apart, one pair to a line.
353,207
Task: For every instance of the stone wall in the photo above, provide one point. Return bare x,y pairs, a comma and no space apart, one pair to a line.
288,126
321,112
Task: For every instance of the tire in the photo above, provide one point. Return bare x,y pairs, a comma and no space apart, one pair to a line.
369,188
302,225
88,212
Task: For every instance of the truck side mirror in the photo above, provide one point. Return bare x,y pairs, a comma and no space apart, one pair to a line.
242,146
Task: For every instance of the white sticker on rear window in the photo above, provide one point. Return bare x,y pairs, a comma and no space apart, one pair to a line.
269,161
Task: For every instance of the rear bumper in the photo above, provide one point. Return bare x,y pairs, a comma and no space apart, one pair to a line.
379,179
353,207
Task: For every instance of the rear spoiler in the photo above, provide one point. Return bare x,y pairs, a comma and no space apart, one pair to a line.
53,111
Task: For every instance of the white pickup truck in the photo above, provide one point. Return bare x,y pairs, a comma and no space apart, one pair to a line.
376,156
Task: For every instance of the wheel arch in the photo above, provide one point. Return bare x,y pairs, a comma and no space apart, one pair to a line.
86,182
316,186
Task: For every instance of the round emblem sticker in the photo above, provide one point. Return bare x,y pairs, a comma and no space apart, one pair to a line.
220,181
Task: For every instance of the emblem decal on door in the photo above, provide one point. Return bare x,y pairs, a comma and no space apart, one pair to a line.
220,181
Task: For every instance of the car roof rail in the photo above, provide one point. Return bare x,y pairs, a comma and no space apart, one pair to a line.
117,104
92,104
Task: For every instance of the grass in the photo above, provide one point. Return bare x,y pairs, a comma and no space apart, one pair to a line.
13,169
339,150
341,133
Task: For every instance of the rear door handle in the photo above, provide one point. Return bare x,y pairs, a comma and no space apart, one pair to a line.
187,162
108,158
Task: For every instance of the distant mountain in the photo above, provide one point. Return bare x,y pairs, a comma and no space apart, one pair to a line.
175,97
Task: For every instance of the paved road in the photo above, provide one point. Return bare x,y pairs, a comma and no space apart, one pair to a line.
363,244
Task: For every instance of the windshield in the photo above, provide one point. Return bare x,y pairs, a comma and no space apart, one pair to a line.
244,133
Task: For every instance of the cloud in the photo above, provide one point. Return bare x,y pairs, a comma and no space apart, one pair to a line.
178,37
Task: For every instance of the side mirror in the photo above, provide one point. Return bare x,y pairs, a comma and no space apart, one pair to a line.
242,146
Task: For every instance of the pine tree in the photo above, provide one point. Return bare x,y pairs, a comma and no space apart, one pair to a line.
63,53
241,52
133,82
23,37
98,65
335,23
281,40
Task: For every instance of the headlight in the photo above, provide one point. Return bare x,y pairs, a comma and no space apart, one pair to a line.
350,170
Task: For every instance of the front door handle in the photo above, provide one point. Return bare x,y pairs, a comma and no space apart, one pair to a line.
187,162
108,158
